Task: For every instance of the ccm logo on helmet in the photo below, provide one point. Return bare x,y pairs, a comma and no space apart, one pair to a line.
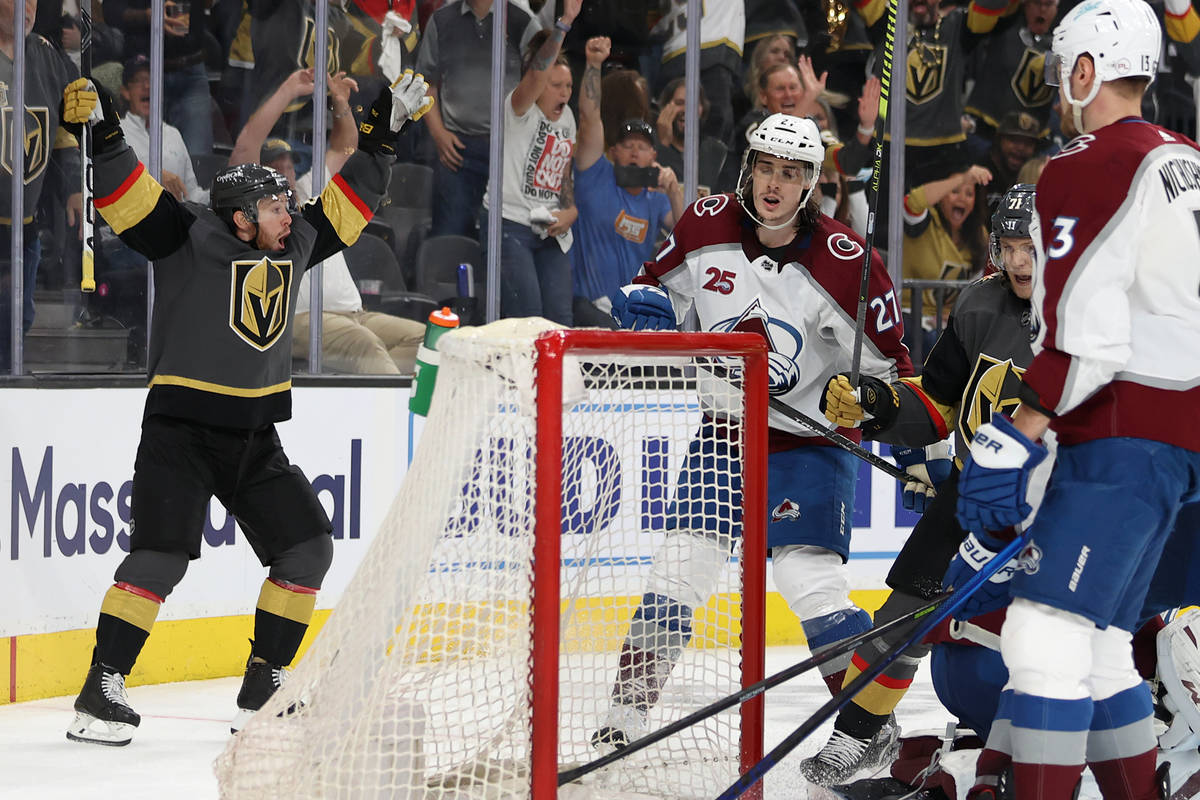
843,247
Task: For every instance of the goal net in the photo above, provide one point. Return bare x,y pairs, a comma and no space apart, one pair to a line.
475,650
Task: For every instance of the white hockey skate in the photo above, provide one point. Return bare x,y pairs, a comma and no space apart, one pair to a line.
102,711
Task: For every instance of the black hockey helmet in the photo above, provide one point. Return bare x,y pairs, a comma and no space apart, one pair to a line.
239,188
1012,219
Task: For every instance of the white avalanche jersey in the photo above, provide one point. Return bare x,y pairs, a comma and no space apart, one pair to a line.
1118,350
803,303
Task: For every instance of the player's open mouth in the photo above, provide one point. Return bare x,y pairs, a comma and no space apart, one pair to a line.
770,202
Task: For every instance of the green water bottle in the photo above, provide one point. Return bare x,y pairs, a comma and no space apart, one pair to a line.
425,375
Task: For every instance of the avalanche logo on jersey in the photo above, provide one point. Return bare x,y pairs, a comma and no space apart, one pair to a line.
260,292
784,343
785,510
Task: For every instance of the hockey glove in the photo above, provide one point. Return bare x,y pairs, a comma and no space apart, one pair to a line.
995,477
928,466
872,406
975,551
637,307
84,101
386,118
410,99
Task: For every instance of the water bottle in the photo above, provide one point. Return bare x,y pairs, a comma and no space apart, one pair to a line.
464,281
425,375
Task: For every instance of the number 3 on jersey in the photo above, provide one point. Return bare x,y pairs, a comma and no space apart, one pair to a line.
886,312
1064,238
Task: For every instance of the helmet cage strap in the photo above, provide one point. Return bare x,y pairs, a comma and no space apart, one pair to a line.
746,197
1077,106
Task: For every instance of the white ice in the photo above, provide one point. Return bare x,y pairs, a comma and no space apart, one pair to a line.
186,725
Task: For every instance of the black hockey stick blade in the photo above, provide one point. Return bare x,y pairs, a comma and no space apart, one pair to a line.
841,648
835,704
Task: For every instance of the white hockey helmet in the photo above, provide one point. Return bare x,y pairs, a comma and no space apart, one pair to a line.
782,136
1123,38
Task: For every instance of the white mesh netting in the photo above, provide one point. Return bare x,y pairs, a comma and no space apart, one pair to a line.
419,685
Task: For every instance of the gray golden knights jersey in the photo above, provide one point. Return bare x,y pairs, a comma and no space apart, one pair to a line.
973,371
934,68
1008,76
221,332
47,71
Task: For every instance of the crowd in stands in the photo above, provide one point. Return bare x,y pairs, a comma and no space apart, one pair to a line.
594,118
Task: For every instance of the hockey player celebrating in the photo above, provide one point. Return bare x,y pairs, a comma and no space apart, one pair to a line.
972,372
762,259
220,378
1116,375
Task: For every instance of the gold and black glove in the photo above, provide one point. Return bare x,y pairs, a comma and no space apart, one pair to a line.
871,406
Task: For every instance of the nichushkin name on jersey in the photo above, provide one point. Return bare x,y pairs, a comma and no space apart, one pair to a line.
1179,175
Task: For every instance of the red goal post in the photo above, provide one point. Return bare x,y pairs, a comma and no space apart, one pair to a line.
552,348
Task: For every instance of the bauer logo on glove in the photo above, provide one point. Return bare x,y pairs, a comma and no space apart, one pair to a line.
639,307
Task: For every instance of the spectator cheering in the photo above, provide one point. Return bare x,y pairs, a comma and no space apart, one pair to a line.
538,208
624,200
945,239
671,126
455,55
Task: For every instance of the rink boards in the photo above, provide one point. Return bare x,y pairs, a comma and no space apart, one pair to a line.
67,481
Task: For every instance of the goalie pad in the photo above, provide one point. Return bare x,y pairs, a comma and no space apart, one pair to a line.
1179,675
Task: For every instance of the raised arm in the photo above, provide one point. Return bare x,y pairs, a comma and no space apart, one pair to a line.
936,190
590,146
343,140
248,147
147,218
533,82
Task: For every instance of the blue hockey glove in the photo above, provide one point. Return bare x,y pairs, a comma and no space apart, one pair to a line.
637,307
928,466
991,489
975,551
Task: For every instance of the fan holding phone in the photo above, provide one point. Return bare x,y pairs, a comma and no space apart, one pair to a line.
625,199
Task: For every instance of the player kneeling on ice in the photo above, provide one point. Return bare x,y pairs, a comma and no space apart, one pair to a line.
765,260
220,378
972,370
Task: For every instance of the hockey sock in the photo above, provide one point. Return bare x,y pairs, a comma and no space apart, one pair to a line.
281,619
1145,647
126,616
658,632
869,710
825,631
1121,748
1049,743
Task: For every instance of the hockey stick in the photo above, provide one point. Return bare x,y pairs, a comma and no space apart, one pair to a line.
841,648
885,82
849,445
952,604
87,224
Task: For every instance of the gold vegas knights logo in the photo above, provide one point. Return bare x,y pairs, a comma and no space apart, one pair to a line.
258,303
37,137
1029,82
993,388
926,71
